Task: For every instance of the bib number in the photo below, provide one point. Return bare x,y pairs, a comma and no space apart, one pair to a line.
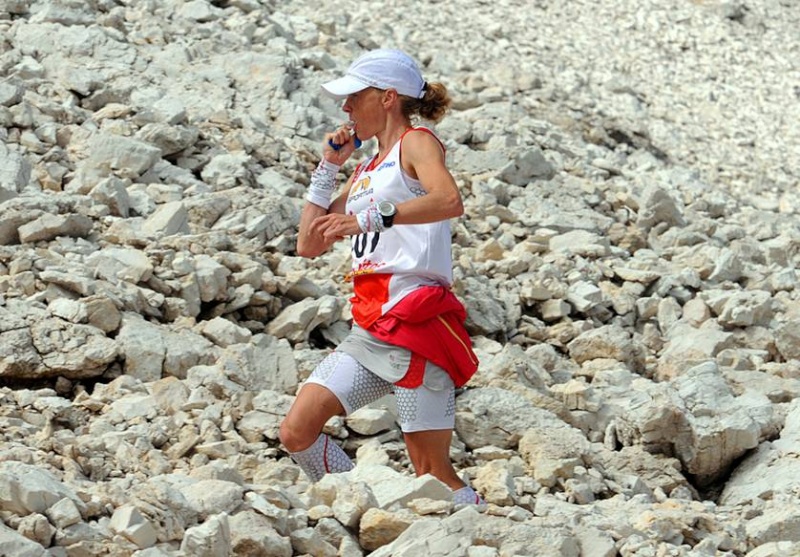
363,241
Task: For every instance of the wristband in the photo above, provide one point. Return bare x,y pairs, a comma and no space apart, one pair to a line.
323,183
370,220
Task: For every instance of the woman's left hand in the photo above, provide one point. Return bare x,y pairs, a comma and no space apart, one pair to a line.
335,226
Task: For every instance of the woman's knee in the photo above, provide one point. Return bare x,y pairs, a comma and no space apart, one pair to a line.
294,437
313,407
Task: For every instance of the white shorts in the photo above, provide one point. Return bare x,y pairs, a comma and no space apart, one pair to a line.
420,409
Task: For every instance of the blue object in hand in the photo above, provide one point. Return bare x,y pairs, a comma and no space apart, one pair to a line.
336,146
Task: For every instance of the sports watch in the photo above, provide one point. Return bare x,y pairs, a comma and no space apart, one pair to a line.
387,210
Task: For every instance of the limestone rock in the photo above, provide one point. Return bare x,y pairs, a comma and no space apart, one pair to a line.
379,528
553,455
128,522
15,172
297,321
608,342
12,543
657,206
493,416
48,227
211,538
25,489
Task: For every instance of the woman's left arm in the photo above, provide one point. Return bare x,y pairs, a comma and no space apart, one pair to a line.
423,159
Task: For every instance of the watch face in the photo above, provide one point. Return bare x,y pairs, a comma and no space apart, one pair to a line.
386,208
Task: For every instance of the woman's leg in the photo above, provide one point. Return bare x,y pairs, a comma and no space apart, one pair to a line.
300,430
313,406
337,386
430,453
427,418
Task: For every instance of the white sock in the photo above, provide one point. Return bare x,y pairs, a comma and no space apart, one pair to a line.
467,496
322,457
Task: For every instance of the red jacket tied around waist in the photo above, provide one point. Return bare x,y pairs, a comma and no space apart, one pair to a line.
430,323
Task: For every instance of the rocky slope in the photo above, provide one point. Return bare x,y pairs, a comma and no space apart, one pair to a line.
628,259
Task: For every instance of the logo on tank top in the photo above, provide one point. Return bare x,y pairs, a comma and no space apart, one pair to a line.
361,185
388,164
363,268
361,189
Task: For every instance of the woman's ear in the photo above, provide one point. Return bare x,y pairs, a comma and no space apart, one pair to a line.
390,97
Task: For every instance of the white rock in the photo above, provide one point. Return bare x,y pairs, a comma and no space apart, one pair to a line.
64,513
15,171
48,227
553,454
224,171
308,541
70,310
747,308
252,533
493,416
688,346
379,528
128,521
129,157
25,489
584,296
390,487
580,242
127,264
554,310
37,528
170,218
495,482
209,539
212,278
452,536
787,339
113,193
223,332
608,342
142,344
208,497
12,543
352,502
775,525
369,421
297,321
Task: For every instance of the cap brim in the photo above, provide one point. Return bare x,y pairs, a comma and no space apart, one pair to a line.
340,88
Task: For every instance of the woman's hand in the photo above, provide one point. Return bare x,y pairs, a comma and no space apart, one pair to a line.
334,227
345,139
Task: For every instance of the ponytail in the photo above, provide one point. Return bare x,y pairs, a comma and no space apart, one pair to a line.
432,106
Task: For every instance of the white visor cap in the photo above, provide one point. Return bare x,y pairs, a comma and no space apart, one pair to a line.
382,68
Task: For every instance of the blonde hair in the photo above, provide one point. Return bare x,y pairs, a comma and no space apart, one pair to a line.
432,106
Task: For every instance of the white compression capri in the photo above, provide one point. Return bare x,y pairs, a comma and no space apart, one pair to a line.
420,409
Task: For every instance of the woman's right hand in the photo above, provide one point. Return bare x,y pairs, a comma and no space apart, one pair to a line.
345,139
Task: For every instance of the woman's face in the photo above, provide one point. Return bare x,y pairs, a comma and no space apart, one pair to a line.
366,110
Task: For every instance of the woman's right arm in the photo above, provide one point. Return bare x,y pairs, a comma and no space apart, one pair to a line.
310,241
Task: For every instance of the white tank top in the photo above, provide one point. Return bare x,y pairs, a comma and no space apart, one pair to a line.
406,255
